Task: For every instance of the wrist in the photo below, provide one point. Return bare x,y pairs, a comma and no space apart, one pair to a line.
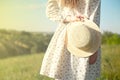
67,19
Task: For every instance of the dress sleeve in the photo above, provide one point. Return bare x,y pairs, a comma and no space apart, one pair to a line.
53,11
94,10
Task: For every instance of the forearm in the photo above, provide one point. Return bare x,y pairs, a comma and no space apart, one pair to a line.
53,11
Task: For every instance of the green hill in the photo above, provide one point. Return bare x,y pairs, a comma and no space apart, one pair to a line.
14,43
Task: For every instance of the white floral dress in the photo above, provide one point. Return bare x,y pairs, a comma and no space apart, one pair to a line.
58,62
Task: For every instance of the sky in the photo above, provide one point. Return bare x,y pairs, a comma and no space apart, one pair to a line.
29,15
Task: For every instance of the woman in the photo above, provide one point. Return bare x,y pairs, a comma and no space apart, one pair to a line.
58,62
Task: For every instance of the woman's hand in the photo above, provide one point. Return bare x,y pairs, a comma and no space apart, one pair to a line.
93,58
81,18
73,19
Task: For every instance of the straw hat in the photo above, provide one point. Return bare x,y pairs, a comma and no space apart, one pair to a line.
83,38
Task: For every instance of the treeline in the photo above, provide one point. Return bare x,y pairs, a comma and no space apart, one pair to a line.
110,38
14,43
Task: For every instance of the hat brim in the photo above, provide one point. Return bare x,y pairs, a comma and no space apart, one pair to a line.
79,52
95,46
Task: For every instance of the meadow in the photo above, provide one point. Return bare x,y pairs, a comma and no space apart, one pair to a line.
27,67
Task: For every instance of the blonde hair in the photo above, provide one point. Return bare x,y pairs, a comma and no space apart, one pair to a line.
69,3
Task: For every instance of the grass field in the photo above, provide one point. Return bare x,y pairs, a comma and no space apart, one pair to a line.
22,68
27,67
110,62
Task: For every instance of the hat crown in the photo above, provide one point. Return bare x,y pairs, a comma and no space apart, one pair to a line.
84,36
81,35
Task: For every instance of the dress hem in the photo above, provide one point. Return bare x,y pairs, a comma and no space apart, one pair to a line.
47,75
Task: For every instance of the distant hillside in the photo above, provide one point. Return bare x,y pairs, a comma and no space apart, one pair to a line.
110,38
14,43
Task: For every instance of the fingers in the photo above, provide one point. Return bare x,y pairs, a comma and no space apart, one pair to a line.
75,18
81,17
